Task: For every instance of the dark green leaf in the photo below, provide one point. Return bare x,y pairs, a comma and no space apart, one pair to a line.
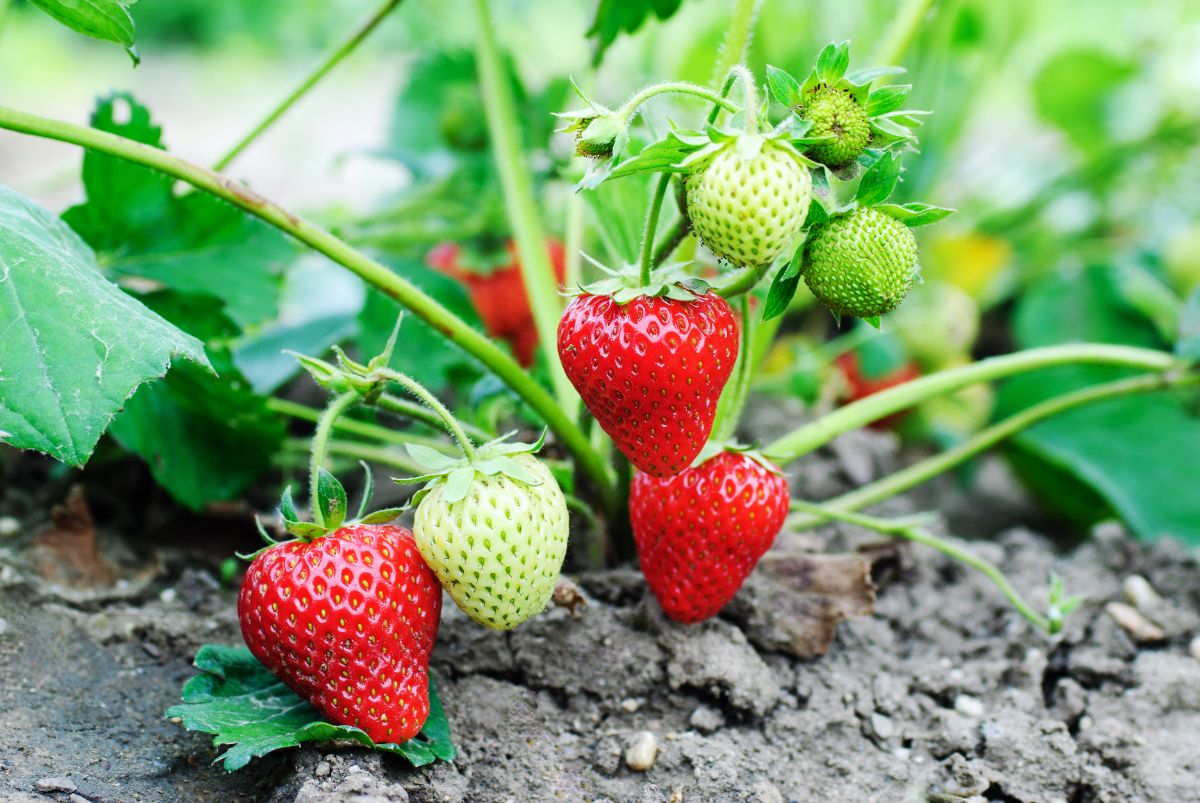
247,708
331,497
614,17
1187,345
879,180
102,19
193,243
784,286
784,87
887,99
73,346
914,214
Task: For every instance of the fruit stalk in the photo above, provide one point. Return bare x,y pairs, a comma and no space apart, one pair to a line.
737,36
817,433
911,532
729,409
320,448
750,90
930,467
448,420
331,61
370,270
627,112
647,260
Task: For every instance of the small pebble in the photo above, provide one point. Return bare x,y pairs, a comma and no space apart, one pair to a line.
706,719
1195,648
9,526
151,649
176,720
323,769
968,706
78,799
1139,591
882,725
629,704
168,595
1132,622
54,785
642,751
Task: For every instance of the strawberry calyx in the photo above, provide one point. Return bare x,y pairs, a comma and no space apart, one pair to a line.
622,286
494,458
752,451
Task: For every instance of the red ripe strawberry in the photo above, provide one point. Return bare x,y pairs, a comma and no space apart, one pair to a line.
699,534
498,295
651,371
347,621
860,386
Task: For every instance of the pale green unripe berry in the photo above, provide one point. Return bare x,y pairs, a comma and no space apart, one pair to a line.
834,113
747,210
861,264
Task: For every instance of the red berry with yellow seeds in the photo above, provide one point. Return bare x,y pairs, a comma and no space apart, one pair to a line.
347,621
700,533
651,371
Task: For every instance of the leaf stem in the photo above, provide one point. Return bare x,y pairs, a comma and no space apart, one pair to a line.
647,261
930,467
434,403
320,449
517,184
362,429
331,61
817,433
373,272
918,535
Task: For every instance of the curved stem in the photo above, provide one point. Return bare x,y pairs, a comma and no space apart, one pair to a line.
631,107
737,37
750,90
726,88
918,535
362,429
647,261
731,403
741,282
418,412
517,185
817,433
320,448
434,403
343,50
371,271
930,467
368,452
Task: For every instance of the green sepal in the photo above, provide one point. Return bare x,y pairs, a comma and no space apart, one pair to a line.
751,450
669,281
887,99
305,530
331,496
784,285
287,507
491,459
458,483
879,180
832,62
429,457
873,321
915,214
783,86
368,490
383,515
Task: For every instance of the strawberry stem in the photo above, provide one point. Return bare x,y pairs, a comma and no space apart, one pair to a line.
911,532
750,90
647,261
630,109
420,392
737,36
320,448
733,401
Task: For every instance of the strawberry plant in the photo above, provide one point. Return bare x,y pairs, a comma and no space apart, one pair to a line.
151,319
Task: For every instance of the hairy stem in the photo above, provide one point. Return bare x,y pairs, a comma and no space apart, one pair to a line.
320,449
919,535
517,184
361,429
631,107
433,403
647,260
733,401
371,271
741,282
669,242
364,451
817,433
737,37
930,467
419,412
346,48
750,90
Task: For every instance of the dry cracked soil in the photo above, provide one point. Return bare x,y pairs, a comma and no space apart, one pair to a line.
944,694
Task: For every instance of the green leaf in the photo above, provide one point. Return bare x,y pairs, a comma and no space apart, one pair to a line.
887,99
1075,91
879,180
252,712
73,346
833,61
194,243
663,156
331,496
783,287
1187,345
784,87
101,19
614,17
914,214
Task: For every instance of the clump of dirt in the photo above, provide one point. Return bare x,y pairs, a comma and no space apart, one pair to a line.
944,694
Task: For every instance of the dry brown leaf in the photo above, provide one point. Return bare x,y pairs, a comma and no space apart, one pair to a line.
66,552
567,595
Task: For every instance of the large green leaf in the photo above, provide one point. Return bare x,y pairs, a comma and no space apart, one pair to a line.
204,437
73,346
1132,451
194,242
103,19
243,705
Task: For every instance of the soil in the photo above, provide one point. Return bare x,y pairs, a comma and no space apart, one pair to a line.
944,694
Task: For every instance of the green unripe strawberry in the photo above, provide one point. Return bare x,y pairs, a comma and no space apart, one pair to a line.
860,264
834,113
748,203
499,549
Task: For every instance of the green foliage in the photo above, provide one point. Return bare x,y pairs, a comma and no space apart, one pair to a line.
193,242
614,17
1074,91
73,346
1127,451
247,708
103,19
